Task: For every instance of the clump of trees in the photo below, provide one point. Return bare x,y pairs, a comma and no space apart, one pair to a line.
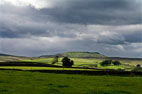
106,62
109,62
116,63
67,62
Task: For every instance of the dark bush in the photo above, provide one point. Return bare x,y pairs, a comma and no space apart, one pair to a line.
67,62
106,62
138,66
116,63
71,62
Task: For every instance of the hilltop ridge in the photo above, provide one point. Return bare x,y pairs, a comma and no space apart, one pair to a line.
78,55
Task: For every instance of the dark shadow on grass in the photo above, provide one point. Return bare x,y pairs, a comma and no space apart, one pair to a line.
62,86
109,92
40,79
3,82
50,84
3,90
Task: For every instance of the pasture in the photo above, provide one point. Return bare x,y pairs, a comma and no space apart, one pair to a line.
91,63
23,82
126,65
42,68
29,82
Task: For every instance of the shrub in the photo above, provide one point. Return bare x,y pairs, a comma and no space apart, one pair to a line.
106,62
138,66
116,62
67,62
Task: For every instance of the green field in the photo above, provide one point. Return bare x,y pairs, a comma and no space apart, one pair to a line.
25,82
19,82
80,54
92,63
12,58
42,68
126,65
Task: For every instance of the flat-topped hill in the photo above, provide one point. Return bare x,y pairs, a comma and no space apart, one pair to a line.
78,55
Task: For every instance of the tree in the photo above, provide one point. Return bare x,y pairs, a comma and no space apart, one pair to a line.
106,62
116,62
55,60
71,62
138,66
67,62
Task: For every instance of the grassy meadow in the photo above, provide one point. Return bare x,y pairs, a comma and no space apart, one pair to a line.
126,65
23,82
91,62
42,68
26,82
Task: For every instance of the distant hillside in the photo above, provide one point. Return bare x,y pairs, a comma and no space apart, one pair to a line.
4,54
78,55
7,57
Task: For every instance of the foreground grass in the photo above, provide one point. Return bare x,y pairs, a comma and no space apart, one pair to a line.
21,82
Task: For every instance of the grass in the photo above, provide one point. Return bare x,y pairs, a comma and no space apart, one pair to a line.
82,62
113,67
21,82
11,58
79,62
41,68
132,62
82,54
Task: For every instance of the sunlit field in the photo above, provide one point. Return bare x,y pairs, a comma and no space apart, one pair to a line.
95,63
92,63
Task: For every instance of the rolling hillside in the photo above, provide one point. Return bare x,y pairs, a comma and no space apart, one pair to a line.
7,57
78,55
4,54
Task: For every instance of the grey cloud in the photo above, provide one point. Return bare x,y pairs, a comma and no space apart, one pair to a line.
97,12
36,47
27,21
69,22
104,12
134,37
122,38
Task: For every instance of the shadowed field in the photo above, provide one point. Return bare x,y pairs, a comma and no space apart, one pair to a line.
19,82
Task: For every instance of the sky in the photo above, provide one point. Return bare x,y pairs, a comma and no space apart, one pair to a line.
43,27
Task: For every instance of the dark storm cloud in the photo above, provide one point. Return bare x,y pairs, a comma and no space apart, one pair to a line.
134,37
106,12
29,21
